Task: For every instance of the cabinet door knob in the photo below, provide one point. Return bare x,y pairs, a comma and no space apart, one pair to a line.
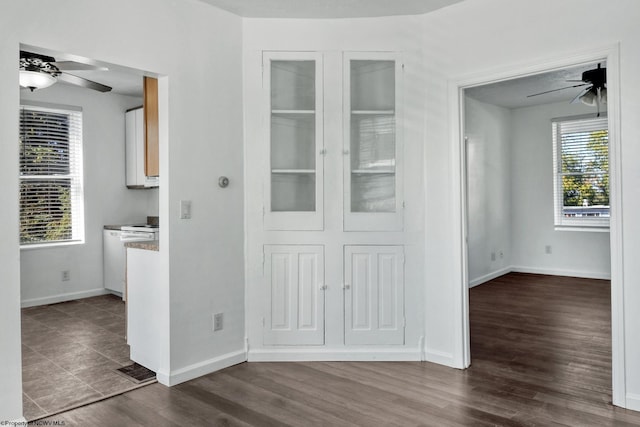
345,151
323,287
346,286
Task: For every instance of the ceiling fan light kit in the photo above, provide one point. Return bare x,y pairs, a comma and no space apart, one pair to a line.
594,95
36,79
40,71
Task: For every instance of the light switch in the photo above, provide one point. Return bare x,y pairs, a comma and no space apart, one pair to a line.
185,209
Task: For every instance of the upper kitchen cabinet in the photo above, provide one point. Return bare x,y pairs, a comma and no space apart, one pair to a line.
141,124
151,135
294,181
372,142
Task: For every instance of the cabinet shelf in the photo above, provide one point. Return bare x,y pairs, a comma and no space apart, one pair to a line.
293,112
373,112
293,171
373,171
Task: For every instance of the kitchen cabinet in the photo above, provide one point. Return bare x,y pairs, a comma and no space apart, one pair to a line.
136,176
374,294
147,329
151,128
295,307
113,261
294,181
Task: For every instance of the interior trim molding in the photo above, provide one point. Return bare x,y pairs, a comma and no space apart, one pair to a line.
487,277
558,272
334,355
201,368
63,297
442,358
633,401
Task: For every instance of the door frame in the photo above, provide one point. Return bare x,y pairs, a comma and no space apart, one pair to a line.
456,86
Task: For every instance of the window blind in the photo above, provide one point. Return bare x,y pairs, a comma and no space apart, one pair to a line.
51,194
581,166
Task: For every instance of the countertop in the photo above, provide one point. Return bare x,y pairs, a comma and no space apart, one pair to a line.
112,227
149,245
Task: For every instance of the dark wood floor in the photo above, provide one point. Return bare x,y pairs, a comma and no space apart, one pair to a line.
540,356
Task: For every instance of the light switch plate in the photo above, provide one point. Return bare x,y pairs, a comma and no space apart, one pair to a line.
185,209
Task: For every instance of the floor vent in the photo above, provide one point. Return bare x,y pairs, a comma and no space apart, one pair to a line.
137,373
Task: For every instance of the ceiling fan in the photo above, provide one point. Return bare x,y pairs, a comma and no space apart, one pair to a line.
595,91
39,71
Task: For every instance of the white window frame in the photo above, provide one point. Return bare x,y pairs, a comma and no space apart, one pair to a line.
561,222
75,174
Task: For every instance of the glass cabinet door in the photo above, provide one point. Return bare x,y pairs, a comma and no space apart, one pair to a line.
293,85
372,143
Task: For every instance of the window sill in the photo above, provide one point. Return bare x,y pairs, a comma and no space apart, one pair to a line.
50,245
590,229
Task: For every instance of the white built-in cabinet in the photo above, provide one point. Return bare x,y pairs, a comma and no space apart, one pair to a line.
332,195
294,181
295,303
374,294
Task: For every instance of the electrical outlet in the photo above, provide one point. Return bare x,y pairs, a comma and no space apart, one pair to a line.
493,256
547,249
66,275
501,255
218,322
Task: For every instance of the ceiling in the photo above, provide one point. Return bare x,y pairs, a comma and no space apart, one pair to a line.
315,9
123,80
513,93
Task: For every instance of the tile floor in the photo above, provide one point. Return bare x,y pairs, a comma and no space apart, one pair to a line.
70,352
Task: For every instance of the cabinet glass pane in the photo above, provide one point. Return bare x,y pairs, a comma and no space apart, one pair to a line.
293,85
293,192
373,85
373,144
293,144
373,136
373,192
293,136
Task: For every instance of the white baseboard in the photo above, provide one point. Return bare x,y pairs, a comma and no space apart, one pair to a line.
490,276
557,272
633,401
441,358
202,368
63,297
334,355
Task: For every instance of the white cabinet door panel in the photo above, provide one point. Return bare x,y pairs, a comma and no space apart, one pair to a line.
295,294
374,295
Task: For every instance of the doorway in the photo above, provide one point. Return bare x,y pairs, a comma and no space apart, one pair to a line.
460,152
73,329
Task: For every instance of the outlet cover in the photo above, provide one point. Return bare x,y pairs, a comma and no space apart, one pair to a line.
66,275
218,322
547,249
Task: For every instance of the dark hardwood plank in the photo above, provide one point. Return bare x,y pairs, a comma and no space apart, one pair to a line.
541,356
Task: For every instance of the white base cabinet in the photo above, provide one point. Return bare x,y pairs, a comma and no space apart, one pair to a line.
295,295
374,295
114,255
295,298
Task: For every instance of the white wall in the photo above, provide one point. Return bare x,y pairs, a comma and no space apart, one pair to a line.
576,253
488,132
197,50
106,198
332,37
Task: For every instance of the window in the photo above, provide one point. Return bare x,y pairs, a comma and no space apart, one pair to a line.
581,178
51,195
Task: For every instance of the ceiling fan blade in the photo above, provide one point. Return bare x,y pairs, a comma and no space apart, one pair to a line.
555,90
578,96
77,66
79,81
